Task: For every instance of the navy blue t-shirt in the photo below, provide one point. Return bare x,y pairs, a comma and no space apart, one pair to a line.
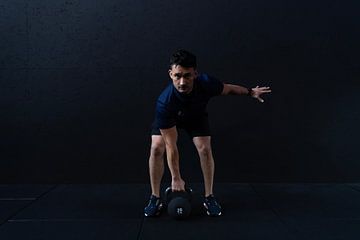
174,107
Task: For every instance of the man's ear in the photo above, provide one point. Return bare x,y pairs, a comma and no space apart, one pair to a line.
170,73
196,73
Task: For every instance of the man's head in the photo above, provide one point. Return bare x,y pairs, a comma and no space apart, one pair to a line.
183,70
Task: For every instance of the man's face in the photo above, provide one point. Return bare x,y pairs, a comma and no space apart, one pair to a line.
183,78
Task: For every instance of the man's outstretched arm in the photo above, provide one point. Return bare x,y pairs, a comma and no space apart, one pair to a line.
231,89
170,137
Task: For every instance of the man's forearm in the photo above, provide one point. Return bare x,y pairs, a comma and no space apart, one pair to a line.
173,161
237,90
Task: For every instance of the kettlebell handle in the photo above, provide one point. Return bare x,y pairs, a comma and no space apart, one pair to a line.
170,194
169,190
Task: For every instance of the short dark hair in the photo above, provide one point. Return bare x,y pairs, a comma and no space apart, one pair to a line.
183,58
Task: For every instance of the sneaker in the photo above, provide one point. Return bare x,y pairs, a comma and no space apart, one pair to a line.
212,207
154,207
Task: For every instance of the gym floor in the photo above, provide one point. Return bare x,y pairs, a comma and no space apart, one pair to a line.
110,211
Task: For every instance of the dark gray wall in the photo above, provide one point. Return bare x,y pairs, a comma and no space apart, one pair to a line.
79,79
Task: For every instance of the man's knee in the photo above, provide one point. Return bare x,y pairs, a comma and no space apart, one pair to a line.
157,147
204,150
157,151
203,146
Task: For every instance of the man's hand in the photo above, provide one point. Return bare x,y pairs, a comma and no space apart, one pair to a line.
257,91
177,185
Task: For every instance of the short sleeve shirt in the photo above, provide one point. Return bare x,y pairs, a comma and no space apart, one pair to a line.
173,107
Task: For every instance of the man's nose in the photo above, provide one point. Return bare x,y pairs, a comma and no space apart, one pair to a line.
182,81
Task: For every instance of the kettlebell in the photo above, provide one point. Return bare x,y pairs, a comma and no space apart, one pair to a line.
178,203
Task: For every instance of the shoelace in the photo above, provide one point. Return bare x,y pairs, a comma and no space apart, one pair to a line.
211,200
154,200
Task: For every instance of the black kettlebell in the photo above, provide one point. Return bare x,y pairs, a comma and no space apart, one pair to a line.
178,203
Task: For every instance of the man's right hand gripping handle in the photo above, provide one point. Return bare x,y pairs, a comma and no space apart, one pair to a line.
177,184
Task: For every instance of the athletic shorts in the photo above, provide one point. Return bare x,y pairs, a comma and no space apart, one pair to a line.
195,128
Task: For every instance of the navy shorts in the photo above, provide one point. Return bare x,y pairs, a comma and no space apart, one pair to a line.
195,128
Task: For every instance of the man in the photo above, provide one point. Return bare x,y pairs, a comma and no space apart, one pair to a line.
183,105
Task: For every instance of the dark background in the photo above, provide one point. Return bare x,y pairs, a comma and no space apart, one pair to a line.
79,81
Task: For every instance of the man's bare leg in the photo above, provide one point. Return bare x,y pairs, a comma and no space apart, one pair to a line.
156,163
203,146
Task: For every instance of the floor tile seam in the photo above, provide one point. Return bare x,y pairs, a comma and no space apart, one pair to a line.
140,228
29,204
352,187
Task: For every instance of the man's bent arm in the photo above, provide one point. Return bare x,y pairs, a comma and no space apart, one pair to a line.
172,153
